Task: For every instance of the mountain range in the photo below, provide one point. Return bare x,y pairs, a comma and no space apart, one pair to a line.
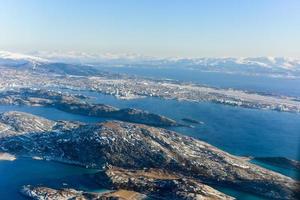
270,66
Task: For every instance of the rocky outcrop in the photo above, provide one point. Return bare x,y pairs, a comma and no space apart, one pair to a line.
45,193
134,185
31,123
124,195
135,147
157,184
76,104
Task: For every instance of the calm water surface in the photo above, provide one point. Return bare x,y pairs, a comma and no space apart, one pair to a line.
15,174
263,84
239,131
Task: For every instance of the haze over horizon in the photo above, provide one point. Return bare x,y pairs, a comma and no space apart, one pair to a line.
156,29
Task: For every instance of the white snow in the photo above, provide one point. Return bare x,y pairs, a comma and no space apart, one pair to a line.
17,56
7,157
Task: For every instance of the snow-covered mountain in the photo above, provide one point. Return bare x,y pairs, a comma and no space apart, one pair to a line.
265,62
81,57
272,66
43,65
284,63
17,59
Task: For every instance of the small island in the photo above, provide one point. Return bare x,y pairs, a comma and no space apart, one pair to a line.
194,121
78,104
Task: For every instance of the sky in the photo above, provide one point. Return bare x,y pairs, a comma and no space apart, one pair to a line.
162,28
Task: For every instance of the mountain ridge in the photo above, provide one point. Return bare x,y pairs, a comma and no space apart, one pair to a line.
81,58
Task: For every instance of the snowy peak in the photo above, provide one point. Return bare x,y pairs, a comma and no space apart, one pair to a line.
16,59
81,57
18,56
270,66
265,62
279,62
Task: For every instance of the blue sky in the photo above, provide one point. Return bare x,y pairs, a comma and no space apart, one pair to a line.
155,27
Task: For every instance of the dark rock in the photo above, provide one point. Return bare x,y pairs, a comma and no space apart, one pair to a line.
134,146
191,121
157,184
77,105
45,193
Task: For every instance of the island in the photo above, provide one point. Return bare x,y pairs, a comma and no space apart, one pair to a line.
40,193
194,121
78,104
141,158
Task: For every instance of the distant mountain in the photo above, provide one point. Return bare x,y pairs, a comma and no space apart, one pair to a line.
265,62
18,60
38,64
84,58
270,66
85,64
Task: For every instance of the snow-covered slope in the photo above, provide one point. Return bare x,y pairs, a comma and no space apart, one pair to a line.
283,63
263,62
273,66
270,66
81,57
43,65
17,59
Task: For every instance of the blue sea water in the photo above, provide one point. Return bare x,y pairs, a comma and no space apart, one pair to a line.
240,131
15,174
262,84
